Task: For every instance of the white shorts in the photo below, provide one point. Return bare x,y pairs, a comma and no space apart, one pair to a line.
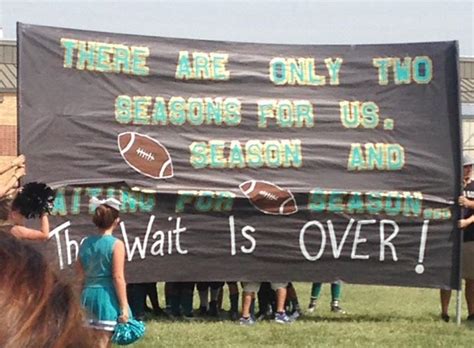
255,286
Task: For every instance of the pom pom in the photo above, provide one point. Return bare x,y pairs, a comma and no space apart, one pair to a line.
34,200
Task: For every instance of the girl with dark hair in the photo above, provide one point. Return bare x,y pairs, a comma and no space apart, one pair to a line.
33,200
101,265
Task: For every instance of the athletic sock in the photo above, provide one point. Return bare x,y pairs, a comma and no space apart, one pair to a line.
316,290
336,290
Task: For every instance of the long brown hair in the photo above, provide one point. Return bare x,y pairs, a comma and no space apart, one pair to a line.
38,309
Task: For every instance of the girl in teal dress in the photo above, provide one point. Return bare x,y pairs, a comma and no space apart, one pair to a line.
102,264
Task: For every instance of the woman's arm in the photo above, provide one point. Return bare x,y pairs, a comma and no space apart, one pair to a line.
80,273
463,223
118,273
465,202
23,232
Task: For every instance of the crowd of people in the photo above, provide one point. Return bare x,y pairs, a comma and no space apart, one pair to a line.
277,301
41,309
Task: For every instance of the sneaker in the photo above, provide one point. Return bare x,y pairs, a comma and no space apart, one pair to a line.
260,316
189,316
336,309
247,321
312,306
445,317
269,311
470,317
295,315
202,311
282,318
140,317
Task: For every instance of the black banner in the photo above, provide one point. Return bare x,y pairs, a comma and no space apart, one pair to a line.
242,161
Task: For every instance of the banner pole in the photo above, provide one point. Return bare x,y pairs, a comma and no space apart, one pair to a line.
460,187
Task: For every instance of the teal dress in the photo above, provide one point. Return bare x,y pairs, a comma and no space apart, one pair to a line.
99,298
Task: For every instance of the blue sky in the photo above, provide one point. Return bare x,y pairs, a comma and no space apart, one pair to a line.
306,22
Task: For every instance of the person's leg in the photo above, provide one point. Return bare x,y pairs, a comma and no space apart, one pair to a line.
292,298
336,289
248,293
187,291
315,293
167,295
264,299
203,290
252,306
131,297
280,315
234,300
215,289
152,293
173,291
145,305
220,298
136,298
469,290
280,298
247,301
445,296
468,276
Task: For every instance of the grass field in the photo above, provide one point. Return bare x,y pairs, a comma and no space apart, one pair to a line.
376,316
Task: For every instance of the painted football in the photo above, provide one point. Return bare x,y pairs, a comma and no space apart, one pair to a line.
146,155
269,198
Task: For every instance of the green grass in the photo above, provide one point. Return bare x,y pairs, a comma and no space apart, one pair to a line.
376,316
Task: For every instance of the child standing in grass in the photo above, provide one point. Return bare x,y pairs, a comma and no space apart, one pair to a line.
101,263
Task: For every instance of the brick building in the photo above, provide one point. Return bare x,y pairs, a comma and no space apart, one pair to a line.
8,105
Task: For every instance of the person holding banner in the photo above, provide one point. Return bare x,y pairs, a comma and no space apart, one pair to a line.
180,296
207,307
336,288
101,266
467,225
18,166
250,288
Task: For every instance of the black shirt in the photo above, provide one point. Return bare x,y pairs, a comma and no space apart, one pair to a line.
469,230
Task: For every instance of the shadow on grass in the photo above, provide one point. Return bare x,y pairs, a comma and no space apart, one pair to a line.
314,318
355,318
468,324
347,318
